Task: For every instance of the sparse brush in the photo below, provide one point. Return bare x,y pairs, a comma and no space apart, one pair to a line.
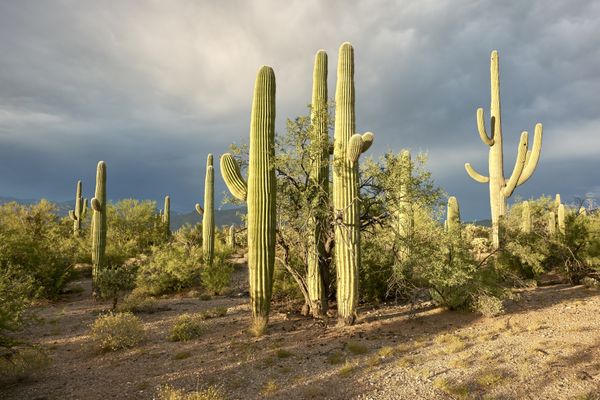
20,363
357,348
347,369
139,302
117,331
168,392
488,306
187,327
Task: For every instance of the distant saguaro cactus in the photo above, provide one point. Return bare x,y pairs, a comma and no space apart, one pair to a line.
348,146
166,216
231,237
526,162
526,218
319,178
98,204
551,227
405,214
260,195
208,212
453,215
80,211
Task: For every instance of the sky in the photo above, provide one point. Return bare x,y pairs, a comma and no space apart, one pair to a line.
152,87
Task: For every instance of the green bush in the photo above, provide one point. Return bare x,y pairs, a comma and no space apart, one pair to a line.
216,278
187,327
15,289
139,302
20,363
113,281
170,268
117,331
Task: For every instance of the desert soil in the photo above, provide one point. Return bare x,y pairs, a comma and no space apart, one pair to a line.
546,346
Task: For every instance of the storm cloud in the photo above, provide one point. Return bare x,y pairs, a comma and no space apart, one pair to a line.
152,87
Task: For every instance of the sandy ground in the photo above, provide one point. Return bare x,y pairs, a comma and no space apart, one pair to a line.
547,346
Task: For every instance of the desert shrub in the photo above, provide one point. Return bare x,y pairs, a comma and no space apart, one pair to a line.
216,278
34,240
21,363
169,268
212,313
377,266
139,302
187,327
169,393
15,290
117,331
488,306
113,281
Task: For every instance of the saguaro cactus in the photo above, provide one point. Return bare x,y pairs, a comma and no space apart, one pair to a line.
166,216
319,176
260,195
562,227
526,162
405,215
348,145
208,212
78,214
231,237
98,204
526,217
453,215
551,223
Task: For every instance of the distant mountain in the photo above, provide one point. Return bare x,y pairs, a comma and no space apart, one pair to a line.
481,222
222,217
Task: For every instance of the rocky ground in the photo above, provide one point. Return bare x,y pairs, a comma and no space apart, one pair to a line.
546,346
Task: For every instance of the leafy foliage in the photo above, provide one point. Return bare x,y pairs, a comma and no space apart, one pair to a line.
117,331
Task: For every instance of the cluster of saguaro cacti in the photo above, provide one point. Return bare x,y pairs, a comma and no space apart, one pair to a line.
98,204
208,212
165,216
319,176
78,214
452,215
260,194
405,213
348,146
526,162
525,217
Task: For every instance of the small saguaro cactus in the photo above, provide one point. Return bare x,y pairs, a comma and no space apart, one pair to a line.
319,178
551,223
231,237
98,204
208,212
526,217
348,146
166,216
560,220
78,214
260,195
405,214
452,215
526,162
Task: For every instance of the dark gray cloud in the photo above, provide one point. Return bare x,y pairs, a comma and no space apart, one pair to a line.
152,87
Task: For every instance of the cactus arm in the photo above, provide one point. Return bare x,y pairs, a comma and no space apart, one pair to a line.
476,175
534,155
72,215
199,209
233,177
96,204
367,141
84,209
519,166
489,140
354,148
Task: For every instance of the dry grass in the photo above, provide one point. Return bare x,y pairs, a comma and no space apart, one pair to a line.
356,348
347,369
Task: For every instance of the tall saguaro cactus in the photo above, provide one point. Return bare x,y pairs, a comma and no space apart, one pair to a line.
231,237
78,214
526,162
260,194
348,146
319,176
166,216
405,214
208,212
98,204
526,218
453,215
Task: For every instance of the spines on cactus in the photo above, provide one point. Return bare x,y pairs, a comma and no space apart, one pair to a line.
526,217
526,162
99,227
319,178
78,214
260,195
346,197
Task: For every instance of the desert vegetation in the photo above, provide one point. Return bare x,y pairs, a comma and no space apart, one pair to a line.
352,277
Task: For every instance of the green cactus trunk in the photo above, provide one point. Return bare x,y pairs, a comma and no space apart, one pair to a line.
405,214
260,194
166,216
525,164
562,226
453,216
98,204
551,227
319,178
231,237
78,214
526,218
208,219
348,146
